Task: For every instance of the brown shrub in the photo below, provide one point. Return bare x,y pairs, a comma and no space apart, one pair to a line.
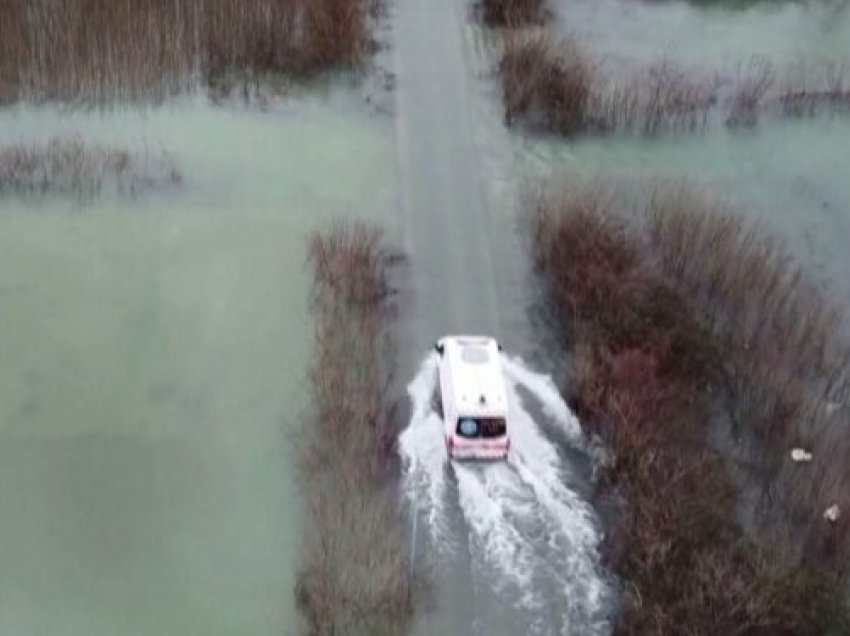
95,50
643,366
660,98
512,13
752,86
785,362
558,87
544,82
354,577
806,88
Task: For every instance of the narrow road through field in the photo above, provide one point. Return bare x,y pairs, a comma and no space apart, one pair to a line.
510,548
444,224
446,220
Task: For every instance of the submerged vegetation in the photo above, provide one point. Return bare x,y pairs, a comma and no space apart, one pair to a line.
703,356
511,13
557,86
92,50
67,166
354,578
806,88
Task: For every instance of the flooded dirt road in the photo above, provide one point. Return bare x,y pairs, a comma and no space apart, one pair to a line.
510,548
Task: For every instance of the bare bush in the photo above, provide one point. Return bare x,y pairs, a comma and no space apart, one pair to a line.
557,86
648,347
95,50
67,166
785,360
806,88
808,85
658,99
752,86
511,13
354,578
545,82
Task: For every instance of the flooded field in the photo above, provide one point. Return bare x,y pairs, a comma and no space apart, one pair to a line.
153,344
152,355
790,172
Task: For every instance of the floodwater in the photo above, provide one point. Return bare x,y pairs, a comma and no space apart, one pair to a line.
152,362
492,541
153,348
715,38
523,528
790,173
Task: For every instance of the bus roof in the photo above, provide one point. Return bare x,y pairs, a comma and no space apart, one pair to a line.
475,372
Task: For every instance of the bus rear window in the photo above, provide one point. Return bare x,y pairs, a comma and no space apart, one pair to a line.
477,427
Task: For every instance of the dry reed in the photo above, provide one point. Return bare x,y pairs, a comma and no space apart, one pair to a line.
354,578
68,166
660,312
809,86
511,13
556,86
97,50
785,364
806,88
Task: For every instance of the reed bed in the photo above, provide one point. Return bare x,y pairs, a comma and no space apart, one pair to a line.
98,50
666,316
809,87
511,13
354,577
806,88
785,365
67,166
554,85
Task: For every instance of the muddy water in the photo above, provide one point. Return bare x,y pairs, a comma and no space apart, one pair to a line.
152,356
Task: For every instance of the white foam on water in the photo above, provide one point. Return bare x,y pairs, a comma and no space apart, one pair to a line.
574,537
543,389
524,521
422,449
485,497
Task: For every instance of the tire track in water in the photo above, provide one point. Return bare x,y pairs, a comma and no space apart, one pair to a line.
532,540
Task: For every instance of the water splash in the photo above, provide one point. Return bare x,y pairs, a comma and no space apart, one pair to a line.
533,537
422,449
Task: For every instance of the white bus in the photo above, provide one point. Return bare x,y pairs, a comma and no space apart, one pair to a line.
473,398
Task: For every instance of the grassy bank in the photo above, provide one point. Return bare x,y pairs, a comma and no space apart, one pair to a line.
353,578
696,343
67,166
93,50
